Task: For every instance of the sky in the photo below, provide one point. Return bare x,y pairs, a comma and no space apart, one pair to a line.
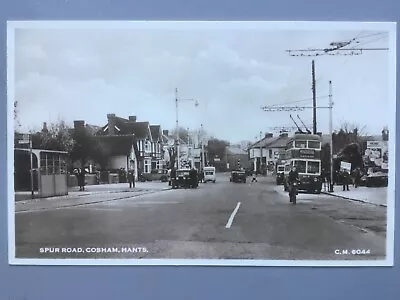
85,73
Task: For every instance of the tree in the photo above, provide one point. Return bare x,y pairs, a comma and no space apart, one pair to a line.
183,133
172,156
100,153
217,148
17,124
83,146
348,134
57,137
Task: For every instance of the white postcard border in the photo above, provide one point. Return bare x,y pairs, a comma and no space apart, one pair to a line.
201,25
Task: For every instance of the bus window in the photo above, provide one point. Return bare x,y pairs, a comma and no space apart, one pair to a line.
300,166
313,167
314,144
301,144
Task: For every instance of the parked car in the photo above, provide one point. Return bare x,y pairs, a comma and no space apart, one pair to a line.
155,175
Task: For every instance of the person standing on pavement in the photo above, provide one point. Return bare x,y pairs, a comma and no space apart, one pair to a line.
131,179
81,179
357,177
173,177
346,179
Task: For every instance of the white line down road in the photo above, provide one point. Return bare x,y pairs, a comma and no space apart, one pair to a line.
229,224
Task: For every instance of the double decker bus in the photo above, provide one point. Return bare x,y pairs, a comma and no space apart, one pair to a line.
304,152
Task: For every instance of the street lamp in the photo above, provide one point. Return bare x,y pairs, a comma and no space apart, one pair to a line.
196,103
331,134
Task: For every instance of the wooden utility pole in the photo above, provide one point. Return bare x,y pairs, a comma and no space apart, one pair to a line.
314,99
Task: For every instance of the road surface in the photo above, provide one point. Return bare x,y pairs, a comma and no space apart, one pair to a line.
216,221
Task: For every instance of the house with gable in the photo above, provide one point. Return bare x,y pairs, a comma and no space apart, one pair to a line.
157,151
121,148
148,150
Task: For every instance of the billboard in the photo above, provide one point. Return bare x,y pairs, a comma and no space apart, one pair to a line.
377,154
345,166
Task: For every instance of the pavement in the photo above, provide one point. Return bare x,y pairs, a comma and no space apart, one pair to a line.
376,196
98,189
92,194
216,221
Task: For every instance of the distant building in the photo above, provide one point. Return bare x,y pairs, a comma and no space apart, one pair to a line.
237,158
188,153
271,148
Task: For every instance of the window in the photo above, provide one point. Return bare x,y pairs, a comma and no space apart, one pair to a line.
314,144
270,153
301,144
147,166
147,146
56,162
300,166
289,145
281,169
63,167
313,167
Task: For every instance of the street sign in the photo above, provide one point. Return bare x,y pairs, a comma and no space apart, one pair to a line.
25,139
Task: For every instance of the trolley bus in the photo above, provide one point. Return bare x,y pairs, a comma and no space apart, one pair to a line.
304,152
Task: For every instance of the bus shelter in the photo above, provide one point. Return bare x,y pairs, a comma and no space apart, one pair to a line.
51,169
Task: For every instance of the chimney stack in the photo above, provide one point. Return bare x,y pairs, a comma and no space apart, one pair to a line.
79,124
132,118
284,134
385,134
111,124
268,135
44,129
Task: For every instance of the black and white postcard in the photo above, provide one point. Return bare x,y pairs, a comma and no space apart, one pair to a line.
201,143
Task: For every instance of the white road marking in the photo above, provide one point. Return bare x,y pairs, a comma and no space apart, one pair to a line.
229,224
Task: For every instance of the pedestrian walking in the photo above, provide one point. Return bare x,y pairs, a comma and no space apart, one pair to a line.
254,177
357,177
193,178
173,177
324,179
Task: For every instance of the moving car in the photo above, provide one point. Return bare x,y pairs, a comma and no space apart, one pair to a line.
209,174
280,175
182,179
238,176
